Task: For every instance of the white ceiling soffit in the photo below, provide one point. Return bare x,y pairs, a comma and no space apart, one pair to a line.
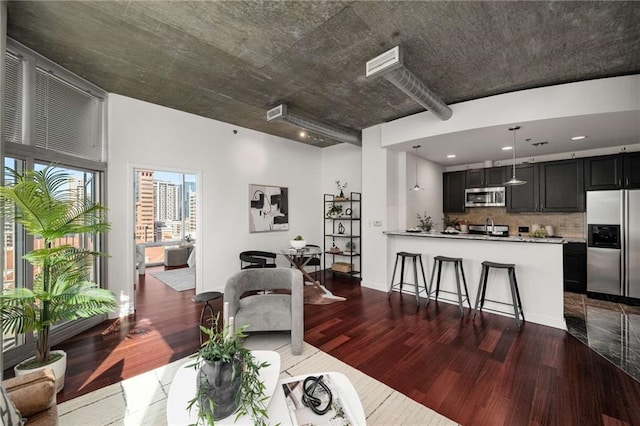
607,111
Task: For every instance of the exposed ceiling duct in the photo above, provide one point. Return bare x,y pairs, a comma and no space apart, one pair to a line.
389,65
281,113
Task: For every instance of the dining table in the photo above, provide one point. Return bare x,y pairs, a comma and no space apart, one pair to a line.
299,257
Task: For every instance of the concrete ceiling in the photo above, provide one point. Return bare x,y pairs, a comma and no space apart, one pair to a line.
234,60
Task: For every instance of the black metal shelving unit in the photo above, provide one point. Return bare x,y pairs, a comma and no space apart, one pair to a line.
351,227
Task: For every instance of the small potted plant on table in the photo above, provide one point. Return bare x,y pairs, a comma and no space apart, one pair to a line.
298,242
228,379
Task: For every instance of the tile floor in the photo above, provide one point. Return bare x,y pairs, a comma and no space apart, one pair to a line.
609,328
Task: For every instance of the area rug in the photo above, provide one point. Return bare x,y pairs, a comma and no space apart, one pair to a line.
317,294
142,400
178,279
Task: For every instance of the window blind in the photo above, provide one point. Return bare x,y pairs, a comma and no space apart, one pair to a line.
13,99
67,119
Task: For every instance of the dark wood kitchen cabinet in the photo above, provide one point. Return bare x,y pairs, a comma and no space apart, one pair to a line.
484,178
555,186
604,172
524,198
618,171
574,267
562,186
453,192
632,170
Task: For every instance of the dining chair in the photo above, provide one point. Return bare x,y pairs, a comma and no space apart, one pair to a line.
257,259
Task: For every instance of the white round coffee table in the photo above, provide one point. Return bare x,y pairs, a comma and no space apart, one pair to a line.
183,388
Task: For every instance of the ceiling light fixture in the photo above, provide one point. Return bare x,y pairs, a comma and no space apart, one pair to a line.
577,138
416,187
451,156
507,148
514,181
281,113
389,65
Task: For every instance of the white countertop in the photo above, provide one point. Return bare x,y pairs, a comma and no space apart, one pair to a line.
513,239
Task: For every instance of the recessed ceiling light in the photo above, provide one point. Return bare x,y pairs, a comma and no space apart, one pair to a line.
577,138
507,148
451,156
303,134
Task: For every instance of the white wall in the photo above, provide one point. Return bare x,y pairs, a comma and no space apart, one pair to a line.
341,162
147,135
430,199
379,191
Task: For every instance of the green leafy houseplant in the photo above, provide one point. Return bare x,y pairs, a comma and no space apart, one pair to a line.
298,238
334,210
250,397
424,222
48,209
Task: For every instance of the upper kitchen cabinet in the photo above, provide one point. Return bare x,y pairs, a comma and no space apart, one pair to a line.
453,184
483,178
604,172
556,186
524,198
618,171
632,170
562,186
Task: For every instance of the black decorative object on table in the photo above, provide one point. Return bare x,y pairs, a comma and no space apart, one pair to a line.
313,399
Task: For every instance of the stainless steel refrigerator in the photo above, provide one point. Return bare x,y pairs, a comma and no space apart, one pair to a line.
613,246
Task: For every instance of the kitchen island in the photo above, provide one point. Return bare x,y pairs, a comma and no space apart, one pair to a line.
538,268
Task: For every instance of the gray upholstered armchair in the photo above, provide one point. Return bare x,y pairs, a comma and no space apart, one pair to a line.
270,311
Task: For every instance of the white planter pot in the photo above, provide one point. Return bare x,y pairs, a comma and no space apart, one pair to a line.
298,244
59,368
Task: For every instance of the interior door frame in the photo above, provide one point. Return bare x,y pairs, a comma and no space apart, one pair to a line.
131,266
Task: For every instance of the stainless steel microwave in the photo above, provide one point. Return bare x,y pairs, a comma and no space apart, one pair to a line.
484,197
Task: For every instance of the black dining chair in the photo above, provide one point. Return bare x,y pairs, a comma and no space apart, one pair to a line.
257,259
315,260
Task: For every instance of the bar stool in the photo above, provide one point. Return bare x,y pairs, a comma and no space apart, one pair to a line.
513,284
206,297
404,255
457,265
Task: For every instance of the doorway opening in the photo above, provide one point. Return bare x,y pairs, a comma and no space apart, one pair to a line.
165,224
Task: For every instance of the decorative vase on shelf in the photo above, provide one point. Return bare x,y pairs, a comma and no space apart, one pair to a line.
340,229
341,194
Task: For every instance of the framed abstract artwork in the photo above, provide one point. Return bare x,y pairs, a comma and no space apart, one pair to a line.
268,208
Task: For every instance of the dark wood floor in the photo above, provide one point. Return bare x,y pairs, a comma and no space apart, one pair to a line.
474,373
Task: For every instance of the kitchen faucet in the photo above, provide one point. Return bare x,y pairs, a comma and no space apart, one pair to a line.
486,222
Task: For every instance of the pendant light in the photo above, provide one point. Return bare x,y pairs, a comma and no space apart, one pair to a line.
514,181
416,187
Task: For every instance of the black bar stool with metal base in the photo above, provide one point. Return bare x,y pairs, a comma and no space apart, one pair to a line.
403,255
206,297
457,267
513,284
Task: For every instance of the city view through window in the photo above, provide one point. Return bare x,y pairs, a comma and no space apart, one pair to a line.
165,205
16,272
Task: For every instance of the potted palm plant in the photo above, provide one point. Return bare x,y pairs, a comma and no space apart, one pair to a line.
48,209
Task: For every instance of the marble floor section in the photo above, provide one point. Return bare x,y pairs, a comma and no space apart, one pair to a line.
611,329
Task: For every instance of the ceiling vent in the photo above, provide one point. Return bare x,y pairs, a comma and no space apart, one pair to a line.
389,65
278,112
386,62
281,113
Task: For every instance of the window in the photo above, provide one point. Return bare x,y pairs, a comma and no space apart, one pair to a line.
165,204
50,116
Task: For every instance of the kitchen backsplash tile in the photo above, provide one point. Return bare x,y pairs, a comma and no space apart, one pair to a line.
570,225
